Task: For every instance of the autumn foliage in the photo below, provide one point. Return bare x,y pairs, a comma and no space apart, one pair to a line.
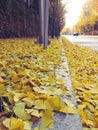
83,63
29,88
88,21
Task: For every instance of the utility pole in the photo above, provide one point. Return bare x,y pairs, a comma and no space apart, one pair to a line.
43,12
46,15
41,22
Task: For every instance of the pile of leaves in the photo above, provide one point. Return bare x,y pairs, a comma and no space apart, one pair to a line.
83,63
29,88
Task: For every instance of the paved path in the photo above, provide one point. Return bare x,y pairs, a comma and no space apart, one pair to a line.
89,41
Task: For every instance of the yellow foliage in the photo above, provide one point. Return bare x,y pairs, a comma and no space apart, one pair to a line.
83,64
29,82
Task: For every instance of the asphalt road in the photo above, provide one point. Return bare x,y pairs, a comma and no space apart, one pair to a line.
89,41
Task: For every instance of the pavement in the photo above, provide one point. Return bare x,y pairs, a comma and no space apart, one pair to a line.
84,40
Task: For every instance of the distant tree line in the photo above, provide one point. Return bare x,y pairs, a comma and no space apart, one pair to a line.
88,23
20,18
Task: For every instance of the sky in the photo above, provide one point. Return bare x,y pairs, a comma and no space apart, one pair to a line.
74,8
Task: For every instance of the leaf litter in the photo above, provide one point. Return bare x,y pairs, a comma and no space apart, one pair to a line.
29,88
83,64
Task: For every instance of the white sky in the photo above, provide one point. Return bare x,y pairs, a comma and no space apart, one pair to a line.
74,8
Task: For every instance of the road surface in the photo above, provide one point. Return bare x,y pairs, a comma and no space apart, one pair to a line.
89,41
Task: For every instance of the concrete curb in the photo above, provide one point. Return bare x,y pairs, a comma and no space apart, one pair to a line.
67,121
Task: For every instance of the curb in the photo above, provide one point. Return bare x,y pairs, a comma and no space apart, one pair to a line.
67,121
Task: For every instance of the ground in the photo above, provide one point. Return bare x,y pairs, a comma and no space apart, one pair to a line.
28,83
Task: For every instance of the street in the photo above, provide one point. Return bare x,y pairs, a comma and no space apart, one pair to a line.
89,41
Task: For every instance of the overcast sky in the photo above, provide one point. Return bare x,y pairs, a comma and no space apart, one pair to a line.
74,8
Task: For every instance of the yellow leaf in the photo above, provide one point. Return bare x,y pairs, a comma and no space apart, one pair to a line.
1,80
29,102
63,109
35,113
27,125
58,92
96,121
55,102
36,128
13,123
39,104
18,96
47,105
6,122
15,78
37,89
2,88
31,95
43,96
37,82
72,110
47,119
90,123
16,86
59,81
20,112
45,68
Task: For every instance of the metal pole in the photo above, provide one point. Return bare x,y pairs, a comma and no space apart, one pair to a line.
41,15
46,15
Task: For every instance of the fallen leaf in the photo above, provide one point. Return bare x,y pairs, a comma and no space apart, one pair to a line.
19,110
27,125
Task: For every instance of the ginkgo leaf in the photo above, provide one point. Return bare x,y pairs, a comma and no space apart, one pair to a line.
39,104
37,89
59,81
35,113
2,88
27,125
47,119
47,104
37,82
31,95
63,109
55,102
19,110
13,123
15,78
36,128
29,102
6,122
72,110
18,96
45,68
1,80
16,87
90,123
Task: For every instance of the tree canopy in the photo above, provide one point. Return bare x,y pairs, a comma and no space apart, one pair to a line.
88,23
20,18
